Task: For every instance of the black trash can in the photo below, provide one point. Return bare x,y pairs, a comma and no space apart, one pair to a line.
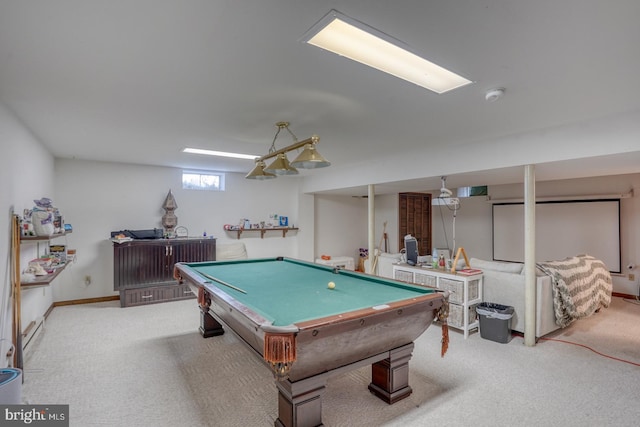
495,321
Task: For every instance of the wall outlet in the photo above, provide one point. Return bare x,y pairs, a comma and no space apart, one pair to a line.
632,277
87,280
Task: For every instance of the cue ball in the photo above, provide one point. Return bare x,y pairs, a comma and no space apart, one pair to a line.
331,285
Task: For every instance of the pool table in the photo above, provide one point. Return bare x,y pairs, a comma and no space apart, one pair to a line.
305,331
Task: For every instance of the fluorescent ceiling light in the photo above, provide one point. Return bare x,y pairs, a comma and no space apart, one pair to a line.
219,153
345,36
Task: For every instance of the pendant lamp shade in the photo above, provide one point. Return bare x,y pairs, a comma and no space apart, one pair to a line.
310,159
281,166
259,173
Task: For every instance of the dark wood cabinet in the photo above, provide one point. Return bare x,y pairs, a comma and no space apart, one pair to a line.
414,217
143,269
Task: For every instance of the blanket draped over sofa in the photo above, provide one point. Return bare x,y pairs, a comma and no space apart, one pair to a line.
581,285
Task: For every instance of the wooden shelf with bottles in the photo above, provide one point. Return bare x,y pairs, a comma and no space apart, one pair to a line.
262,231
44,238
40,281
17,240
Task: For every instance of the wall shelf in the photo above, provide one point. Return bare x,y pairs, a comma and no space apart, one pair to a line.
40,281
43,238
262,231
44,280
17,239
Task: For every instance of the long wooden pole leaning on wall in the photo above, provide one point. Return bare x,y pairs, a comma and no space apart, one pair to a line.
17,302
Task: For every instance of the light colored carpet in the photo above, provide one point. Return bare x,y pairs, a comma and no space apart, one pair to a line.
148,366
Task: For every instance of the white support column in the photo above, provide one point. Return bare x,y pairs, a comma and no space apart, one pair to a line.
372,227
530,255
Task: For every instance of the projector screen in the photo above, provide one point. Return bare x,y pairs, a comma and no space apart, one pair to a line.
563,229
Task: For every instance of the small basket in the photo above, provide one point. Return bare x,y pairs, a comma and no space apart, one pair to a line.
425,279
456,288
456,318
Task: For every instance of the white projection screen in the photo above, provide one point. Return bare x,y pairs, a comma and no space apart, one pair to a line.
563,229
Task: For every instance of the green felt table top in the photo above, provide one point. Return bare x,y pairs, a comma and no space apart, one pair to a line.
290,291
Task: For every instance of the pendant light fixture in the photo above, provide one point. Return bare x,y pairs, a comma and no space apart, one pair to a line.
309,158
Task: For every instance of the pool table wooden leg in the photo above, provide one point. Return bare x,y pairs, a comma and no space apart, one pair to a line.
209,326
390,377
300,402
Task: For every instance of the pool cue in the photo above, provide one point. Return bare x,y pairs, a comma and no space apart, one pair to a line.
223,283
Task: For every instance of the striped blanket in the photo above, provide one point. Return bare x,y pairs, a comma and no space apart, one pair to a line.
581,285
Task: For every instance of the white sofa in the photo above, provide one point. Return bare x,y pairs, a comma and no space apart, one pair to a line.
504,283
230,251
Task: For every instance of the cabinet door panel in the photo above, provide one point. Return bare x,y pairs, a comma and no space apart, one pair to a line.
192,251
146,262
136,264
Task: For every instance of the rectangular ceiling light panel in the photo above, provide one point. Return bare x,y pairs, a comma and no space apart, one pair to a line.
219,153
357,41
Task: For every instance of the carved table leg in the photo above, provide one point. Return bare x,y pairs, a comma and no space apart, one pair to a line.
300,402
390,377
209,326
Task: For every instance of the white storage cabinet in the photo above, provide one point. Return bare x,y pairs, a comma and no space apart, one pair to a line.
465,292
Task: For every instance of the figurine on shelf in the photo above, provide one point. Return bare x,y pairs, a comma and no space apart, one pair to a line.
169,219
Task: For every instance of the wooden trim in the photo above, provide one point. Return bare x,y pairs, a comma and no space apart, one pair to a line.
18,355
49,310
84,301
27,330
618,294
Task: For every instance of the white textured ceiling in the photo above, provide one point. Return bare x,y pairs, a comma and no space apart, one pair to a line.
138,80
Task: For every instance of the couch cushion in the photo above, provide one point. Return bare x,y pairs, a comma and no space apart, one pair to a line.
539,273
230,251
506,267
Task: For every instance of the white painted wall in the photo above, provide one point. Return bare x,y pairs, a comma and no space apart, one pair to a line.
473,227
341,225
100,197
26,173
